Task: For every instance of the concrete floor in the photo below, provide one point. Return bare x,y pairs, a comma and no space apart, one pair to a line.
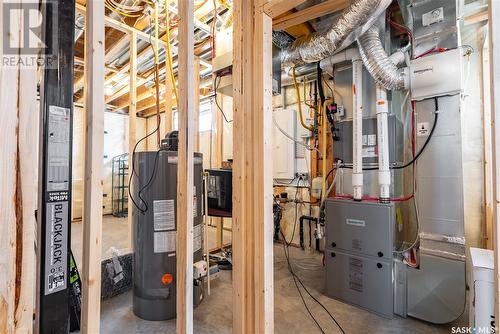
214,315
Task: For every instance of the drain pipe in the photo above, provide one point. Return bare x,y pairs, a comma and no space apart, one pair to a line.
384,173
357,128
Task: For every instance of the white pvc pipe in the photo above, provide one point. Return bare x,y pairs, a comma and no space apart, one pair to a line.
345,55
357,129
384,173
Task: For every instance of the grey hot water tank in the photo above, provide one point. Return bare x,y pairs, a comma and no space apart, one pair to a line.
155,232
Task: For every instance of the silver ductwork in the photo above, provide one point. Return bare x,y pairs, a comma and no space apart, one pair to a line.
378,63
353,21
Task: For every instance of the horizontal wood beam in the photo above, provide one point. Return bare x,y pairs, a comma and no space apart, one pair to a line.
476,18
152,104
124,27
274,8
309,13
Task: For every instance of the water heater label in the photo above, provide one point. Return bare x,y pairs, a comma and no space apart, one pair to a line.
195,203
164,215
164,242
56,252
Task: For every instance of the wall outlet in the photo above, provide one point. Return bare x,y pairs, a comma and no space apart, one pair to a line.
302,176
341,111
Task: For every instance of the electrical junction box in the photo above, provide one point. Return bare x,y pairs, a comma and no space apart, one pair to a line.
436,75
358,254
224,61
200,269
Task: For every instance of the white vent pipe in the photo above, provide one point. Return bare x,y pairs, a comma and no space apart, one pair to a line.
384,173
357,128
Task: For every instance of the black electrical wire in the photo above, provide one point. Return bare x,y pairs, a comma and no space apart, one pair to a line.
422,149
296,279
295,215
329,173
285,248
133,171
153,173
436,104
216,87
319,79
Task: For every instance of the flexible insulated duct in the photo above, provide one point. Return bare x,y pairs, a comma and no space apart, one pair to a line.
359,15
376,61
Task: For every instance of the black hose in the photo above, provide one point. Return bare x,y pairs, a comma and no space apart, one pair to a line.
319,73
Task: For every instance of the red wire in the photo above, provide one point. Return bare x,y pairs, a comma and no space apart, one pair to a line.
412,129
433,50
401,28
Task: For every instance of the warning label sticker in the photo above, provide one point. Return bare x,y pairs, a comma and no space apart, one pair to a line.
56,250
164,215
195,203
164,242
369,152
423,129
58,149
356,274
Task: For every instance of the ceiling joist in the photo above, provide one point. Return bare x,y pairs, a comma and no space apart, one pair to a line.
310,13
274,8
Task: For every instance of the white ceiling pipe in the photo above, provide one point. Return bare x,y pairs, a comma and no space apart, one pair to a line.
328,63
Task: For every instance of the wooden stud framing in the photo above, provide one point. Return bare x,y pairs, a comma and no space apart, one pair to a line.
196,105
185,170
8,169
487,149
18,184
309,13
132,126
274,8
26,203
494,36
253,302
94,137
476,17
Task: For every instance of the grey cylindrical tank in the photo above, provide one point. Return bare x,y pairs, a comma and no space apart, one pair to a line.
155,232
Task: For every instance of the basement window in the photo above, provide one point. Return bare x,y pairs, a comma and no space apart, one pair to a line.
205,120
